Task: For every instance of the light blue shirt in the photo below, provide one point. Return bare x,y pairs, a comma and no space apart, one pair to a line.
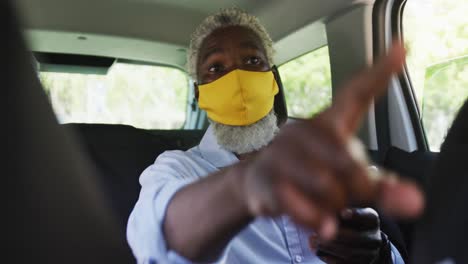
265,240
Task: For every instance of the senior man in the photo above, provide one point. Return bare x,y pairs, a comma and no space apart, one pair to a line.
251,192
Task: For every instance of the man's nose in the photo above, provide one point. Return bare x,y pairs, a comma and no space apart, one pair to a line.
235,61
233,65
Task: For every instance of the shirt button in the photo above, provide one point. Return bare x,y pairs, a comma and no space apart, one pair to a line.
298,258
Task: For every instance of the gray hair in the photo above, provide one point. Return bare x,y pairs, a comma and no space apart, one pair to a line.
225,18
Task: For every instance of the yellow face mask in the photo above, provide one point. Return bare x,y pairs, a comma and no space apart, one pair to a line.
239,98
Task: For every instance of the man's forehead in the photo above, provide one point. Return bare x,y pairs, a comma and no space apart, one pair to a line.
238,35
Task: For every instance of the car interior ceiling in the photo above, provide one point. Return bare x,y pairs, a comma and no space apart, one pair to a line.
122,29
119,153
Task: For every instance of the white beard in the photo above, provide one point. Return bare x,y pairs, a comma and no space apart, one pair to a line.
246,139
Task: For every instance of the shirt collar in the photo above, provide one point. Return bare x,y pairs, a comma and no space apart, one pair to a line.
212,152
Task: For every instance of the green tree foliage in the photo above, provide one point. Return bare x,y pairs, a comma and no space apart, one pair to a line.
436,36
445,90
307,83
140,95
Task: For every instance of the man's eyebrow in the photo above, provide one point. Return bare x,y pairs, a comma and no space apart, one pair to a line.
210,52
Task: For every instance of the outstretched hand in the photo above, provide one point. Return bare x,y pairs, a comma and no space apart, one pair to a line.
309,172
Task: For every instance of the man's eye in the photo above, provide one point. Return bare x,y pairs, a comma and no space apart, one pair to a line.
254,61
215,68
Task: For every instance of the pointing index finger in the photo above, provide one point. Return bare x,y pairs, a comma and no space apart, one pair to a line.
354,99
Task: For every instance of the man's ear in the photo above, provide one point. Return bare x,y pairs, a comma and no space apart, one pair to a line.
195,90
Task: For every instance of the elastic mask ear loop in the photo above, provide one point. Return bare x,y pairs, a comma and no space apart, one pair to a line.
280,107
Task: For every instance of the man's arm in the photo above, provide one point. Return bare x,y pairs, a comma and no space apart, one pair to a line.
204,216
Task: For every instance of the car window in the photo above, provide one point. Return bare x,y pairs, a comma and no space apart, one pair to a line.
436,36
144,96
307,83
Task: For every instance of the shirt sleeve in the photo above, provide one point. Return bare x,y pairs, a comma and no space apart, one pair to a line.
159,183
396,257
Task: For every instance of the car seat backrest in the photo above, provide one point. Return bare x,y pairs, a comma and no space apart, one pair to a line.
416,165
121,153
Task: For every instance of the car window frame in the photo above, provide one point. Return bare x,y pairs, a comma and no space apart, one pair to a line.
392,10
